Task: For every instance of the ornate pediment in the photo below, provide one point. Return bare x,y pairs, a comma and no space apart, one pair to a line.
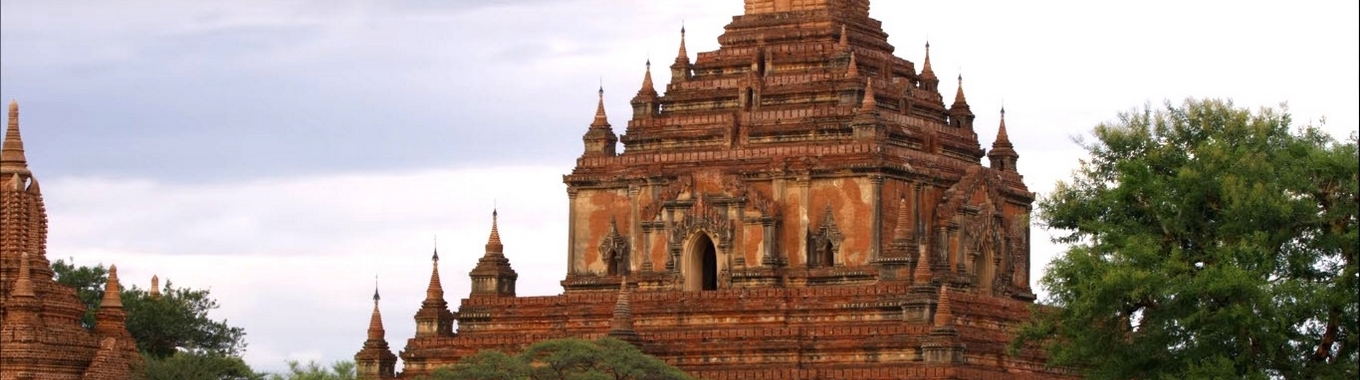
614,249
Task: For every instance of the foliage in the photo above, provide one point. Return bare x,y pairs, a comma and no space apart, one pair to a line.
564,359
340,370
196,366
1205,241
178,320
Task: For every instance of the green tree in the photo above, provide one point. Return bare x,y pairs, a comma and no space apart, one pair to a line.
177,320
564,359
1204,241
196,366
340,370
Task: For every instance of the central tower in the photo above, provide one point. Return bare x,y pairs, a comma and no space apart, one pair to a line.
798,204
802,152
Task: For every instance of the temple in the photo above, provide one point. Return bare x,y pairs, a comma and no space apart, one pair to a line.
800,204
41,336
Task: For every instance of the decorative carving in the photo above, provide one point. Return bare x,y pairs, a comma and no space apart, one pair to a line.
1018,271
614,250
824,243
704,218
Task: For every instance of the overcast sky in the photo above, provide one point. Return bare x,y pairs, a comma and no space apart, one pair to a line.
282,153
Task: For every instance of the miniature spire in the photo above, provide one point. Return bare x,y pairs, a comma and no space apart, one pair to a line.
926,71
1003,155
944,313
845,38
648,89
375,325
435,291
23,287
960,114
680,69
493,275
922,275
599,139
623,312
601,121
684,53
870,103
434,317
853,70
12,160
621,327
375,360
1002,138
155,287
902,232
958,96
493,243
112,295
645,102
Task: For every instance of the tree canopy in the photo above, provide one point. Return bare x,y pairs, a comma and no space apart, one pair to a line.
1204,241
564,359
195,366
340,370
177,320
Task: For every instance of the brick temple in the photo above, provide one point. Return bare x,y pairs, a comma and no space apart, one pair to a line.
799,204
41,337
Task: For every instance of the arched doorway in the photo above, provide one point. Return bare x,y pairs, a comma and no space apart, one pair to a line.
701,265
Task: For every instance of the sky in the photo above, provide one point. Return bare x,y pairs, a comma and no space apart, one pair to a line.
283,153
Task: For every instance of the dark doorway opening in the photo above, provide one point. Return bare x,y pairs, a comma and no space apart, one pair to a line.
710,267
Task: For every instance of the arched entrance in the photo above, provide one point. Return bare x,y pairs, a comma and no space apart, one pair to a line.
701,265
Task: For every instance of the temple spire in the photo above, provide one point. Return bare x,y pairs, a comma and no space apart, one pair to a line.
647,87
853,70
12,159
110,319
960,114
493,243
375,324
1002,138
902,232
959,99
155,287
680,70
944,313
684,53
375,360
926,71
929,82
1003,155
645,102
600,139
921,276
112,290
870,103
621,327
601,120
435,291
845,38
433,318
493,275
